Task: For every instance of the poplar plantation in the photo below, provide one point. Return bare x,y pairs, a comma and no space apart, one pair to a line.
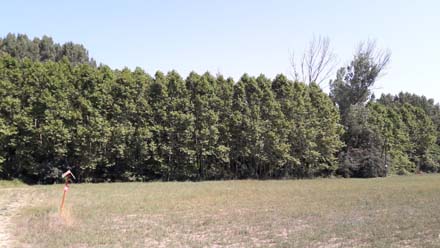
59,111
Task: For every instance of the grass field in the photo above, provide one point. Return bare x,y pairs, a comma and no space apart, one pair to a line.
390,212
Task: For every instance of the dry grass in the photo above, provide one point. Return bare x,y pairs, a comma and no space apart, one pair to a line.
391,212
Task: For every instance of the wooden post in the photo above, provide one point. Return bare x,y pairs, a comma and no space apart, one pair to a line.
66,188
66,176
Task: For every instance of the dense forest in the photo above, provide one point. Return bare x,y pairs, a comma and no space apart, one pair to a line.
59,111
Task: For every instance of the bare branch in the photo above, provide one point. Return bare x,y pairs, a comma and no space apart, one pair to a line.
317,62
377,57
294,67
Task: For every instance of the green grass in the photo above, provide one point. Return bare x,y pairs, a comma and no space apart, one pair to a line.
390,212
10,183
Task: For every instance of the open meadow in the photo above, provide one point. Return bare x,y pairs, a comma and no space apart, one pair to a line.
384,212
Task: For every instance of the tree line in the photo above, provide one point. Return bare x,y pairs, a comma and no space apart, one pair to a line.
126,125
44,49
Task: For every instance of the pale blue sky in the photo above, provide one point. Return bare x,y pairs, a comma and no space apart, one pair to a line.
233,37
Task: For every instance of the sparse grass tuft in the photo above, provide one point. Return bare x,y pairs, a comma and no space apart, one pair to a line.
390,212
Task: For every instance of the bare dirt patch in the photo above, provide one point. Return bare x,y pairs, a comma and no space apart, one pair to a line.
11,201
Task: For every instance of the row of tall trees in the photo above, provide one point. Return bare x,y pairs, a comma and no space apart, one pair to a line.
126,125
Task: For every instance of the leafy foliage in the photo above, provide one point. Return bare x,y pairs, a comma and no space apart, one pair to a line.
59,111
43,49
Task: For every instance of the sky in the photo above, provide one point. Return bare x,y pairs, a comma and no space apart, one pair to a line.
235,37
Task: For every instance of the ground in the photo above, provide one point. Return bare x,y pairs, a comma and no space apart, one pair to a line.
384,212
10,203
